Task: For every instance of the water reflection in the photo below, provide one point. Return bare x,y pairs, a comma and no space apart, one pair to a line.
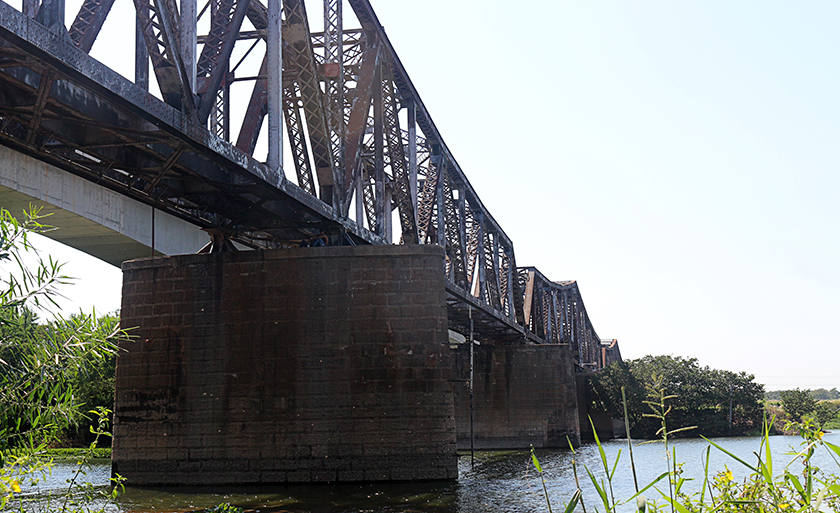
425,497
498,481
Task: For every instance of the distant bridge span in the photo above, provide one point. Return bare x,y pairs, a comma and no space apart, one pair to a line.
366,163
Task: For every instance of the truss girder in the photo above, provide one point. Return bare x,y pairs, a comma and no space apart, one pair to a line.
213,64
343,93
96,124
555,312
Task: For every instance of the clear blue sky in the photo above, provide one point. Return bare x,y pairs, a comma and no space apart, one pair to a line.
680,160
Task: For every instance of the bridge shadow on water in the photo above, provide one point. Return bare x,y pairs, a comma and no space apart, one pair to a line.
427,497
498,481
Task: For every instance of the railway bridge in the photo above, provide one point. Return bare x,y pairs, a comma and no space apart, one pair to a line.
344,306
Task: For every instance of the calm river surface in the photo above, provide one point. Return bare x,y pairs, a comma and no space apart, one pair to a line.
499,481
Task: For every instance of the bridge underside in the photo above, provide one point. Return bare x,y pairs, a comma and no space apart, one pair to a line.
65,108
89,217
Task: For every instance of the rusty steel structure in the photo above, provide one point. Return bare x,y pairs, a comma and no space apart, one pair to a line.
365,163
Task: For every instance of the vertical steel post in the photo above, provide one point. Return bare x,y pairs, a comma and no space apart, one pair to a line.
412,155
334,89
472,395
51,14
511,279
226,107
360,202
275,89
381,209
189,39
389,215
141,55
30,8
462,235
153,230
441,207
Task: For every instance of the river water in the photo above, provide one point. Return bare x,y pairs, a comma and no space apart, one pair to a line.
496,481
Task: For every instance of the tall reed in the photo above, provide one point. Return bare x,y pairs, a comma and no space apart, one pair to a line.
800,486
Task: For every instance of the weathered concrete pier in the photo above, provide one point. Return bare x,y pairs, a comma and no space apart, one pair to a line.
301,365
523,395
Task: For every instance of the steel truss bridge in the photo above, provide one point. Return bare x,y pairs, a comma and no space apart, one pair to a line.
365,162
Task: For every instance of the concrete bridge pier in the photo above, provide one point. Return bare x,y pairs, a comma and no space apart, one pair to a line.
299,365
523,395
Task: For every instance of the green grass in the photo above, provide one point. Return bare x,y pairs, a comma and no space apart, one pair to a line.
76,452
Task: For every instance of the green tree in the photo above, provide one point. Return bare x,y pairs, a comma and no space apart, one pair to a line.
797,403
39,364
93,387
703,395
606,387
825,413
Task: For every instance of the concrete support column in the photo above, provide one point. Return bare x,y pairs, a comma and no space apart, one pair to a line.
304,365
524,395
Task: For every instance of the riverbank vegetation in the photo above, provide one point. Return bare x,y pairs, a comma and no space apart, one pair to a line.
57,370
799,405
47,372
703,397
819,394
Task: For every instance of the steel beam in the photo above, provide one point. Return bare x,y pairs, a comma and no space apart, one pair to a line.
51,15
141,53
187,24
64,108
213,63
89,21
96,87
382,210
334,94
